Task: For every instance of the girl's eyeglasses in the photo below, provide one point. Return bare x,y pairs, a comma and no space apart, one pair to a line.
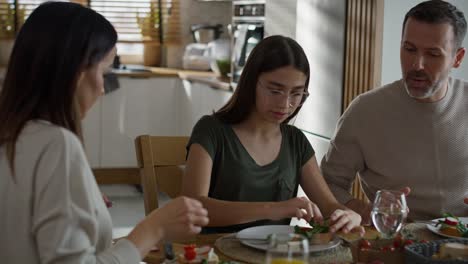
296,97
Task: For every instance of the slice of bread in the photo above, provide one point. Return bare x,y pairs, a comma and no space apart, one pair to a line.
450,231
453,251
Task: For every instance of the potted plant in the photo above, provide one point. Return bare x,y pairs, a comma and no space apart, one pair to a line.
7,32
7,29
149,26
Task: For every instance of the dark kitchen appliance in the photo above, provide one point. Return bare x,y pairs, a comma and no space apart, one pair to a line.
248,23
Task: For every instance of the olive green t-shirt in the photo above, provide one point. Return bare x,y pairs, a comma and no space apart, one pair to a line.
237,177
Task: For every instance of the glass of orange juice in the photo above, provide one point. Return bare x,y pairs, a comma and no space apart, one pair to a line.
287,249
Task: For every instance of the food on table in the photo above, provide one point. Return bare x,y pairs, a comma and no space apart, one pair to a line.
451,251
318,233
194,254
397,244
452,226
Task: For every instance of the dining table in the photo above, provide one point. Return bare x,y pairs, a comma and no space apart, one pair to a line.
230,249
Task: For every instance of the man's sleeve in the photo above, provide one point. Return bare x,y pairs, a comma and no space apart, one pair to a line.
344,157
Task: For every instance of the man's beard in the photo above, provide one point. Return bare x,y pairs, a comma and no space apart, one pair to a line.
427,91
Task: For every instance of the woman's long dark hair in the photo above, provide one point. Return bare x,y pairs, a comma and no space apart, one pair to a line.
56,43
270,54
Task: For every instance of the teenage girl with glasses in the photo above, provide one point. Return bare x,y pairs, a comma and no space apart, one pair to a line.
245,162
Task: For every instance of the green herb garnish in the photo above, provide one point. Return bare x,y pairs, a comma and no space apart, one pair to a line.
461,227
316,228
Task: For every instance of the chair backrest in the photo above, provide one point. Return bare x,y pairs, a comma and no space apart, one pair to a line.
357,190
161,161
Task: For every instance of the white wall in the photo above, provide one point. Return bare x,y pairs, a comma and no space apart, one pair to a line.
320,30
394,14
280,18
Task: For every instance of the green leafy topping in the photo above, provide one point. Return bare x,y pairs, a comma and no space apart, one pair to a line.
461,227
316,228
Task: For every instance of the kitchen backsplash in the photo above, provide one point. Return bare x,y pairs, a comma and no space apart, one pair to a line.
196,12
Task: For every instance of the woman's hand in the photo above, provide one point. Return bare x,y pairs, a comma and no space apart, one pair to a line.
346,220
179,218
299,207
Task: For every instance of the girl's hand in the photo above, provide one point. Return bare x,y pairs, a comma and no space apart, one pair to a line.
346,220
299,207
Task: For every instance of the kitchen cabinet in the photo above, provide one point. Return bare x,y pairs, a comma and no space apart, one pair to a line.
140,106
154,106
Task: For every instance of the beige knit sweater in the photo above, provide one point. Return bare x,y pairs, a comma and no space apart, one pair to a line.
394,141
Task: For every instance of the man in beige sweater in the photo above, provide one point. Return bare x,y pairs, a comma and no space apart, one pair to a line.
413,132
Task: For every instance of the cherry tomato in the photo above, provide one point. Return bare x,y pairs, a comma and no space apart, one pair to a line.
398,242
365,244
189,247
190,255
387,249
451,221
190,252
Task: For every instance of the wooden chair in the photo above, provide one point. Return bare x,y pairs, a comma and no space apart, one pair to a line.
357,191
117,175
160,161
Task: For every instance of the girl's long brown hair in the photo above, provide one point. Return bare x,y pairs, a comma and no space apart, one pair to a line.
270,54
55,44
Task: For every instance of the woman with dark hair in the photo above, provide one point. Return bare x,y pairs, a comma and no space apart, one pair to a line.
245,162
51,208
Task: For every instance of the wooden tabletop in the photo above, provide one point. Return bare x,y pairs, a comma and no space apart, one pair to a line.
393,257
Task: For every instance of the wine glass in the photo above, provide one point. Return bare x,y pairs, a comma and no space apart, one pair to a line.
287,249
389,212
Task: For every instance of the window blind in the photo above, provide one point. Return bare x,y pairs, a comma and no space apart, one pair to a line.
136,21
142,20
171,21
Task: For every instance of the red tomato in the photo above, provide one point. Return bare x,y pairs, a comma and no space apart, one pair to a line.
190,252
398,242
408,242
423,241
387,249
365,244
451,221
190,255
189,247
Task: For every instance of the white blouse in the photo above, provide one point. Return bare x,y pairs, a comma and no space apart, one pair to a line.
52,211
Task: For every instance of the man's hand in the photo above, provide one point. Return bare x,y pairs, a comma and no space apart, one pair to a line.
364,209
406,190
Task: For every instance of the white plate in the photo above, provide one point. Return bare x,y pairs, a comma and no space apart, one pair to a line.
262,232
436,230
